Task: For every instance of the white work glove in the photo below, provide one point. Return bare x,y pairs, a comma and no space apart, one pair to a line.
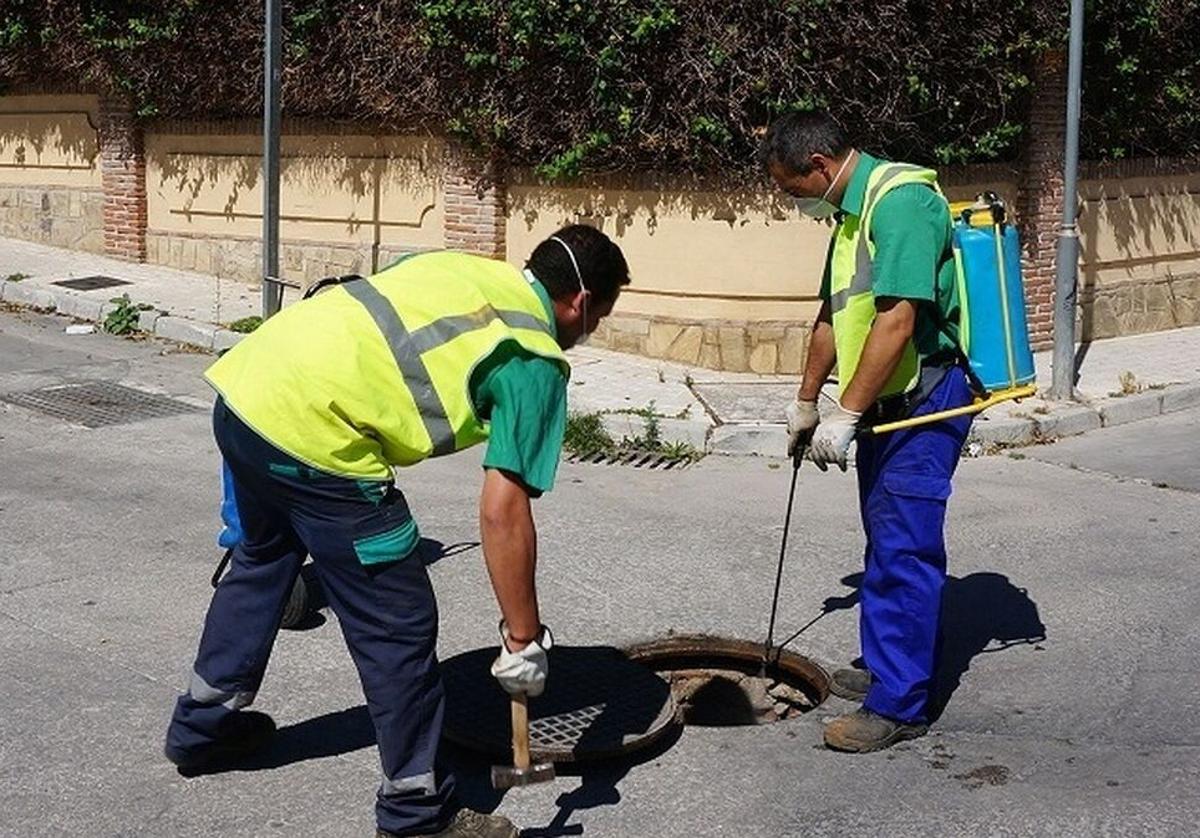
831,442
524,671
802,420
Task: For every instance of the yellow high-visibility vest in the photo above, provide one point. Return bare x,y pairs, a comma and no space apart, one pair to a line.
376,372
851,280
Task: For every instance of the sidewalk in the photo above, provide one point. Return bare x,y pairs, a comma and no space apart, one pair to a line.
1120,380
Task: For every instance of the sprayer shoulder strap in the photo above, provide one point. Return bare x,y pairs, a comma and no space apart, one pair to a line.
977,386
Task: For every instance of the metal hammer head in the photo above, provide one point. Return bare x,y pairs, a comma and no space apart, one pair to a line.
509,776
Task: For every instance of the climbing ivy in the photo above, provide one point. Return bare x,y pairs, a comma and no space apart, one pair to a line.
569,87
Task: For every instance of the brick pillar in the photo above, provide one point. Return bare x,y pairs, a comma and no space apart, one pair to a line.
123,174
475,195
1040,195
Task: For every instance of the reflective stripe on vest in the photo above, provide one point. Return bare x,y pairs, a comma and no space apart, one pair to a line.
852,278
407,349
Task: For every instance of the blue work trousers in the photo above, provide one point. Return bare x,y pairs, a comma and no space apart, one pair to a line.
387,613
903,485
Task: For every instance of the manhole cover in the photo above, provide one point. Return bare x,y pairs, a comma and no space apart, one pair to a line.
597,704
719,682
91,283
95,404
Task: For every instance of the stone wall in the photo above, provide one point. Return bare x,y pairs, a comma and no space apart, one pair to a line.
724,276
755,346
229,257
50,184
57,215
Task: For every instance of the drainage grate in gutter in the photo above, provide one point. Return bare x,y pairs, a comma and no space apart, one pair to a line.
91,283
95,404
633,457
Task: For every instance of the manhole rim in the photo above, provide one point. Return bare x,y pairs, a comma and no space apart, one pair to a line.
747,652
666,723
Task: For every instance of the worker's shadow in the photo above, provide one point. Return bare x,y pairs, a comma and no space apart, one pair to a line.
982,613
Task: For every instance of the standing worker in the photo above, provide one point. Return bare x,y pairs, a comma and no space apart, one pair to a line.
433,355
888,320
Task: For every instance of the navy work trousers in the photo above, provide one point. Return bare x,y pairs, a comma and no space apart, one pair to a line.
387,613
903,485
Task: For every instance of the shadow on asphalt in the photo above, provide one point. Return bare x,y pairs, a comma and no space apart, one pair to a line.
598,783
348,730
982,613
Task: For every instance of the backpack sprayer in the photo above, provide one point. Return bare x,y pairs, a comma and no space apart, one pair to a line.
993,337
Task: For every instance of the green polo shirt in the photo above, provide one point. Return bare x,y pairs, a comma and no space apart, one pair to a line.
911,230
524,398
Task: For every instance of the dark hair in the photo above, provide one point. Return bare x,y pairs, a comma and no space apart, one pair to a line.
795,137
601,263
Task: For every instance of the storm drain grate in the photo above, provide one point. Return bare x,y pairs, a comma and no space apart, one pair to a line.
91,283
636,458
95,404
598,704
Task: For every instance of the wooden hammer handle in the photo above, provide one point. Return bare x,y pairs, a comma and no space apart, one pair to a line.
520,731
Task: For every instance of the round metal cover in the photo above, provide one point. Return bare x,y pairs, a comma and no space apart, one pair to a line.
597,704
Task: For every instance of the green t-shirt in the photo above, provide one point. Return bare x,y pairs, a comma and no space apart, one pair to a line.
524,397
911,231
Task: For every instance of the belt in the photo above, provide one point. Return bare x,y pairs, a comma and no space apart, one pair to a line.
902,405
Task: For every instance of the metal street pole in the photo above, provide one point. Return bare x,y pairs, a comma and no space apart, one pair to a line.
272,292
1067,257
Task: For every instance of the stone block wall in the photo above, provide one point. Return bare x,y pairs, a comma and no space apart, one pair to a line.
61,216
765,347
240,257
1138,306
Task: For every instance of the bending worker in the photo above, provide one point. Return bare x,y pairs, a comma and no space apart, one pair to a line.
888,321
433,355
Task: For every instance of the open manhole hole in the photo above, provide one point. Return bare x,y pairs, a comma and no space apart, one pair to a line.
598,704
718,682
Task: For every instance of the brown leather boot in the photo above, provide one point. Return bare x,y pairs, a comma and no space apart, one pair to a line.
863,731
850,683
470,824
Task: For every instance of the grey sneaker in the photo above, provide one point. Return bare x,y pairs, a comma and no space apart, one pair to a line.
850,683
863,731
469,824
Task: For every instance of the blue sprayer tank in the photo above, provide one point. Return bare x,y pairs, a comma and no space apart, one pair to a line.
993,331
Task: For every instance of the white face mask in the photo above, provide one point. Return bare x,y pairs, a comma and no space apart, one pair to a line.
821,208
584,335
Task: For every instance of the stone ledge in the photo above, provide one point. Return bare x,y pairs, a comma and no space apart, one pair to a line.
1181,397
1066,421
84,308
29,295
226,339
693,432
1122,409
183,330
1007,431
762,440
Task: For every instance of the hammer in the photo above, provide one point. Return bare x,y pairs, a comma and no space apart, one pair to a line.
522,772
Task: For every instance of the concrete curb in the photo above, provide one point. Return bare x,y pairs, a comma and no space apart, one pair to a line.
1048,422
693,432
759,439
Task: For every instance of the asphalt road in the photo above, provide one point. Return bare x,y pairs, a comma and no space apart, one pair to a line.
1073,653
